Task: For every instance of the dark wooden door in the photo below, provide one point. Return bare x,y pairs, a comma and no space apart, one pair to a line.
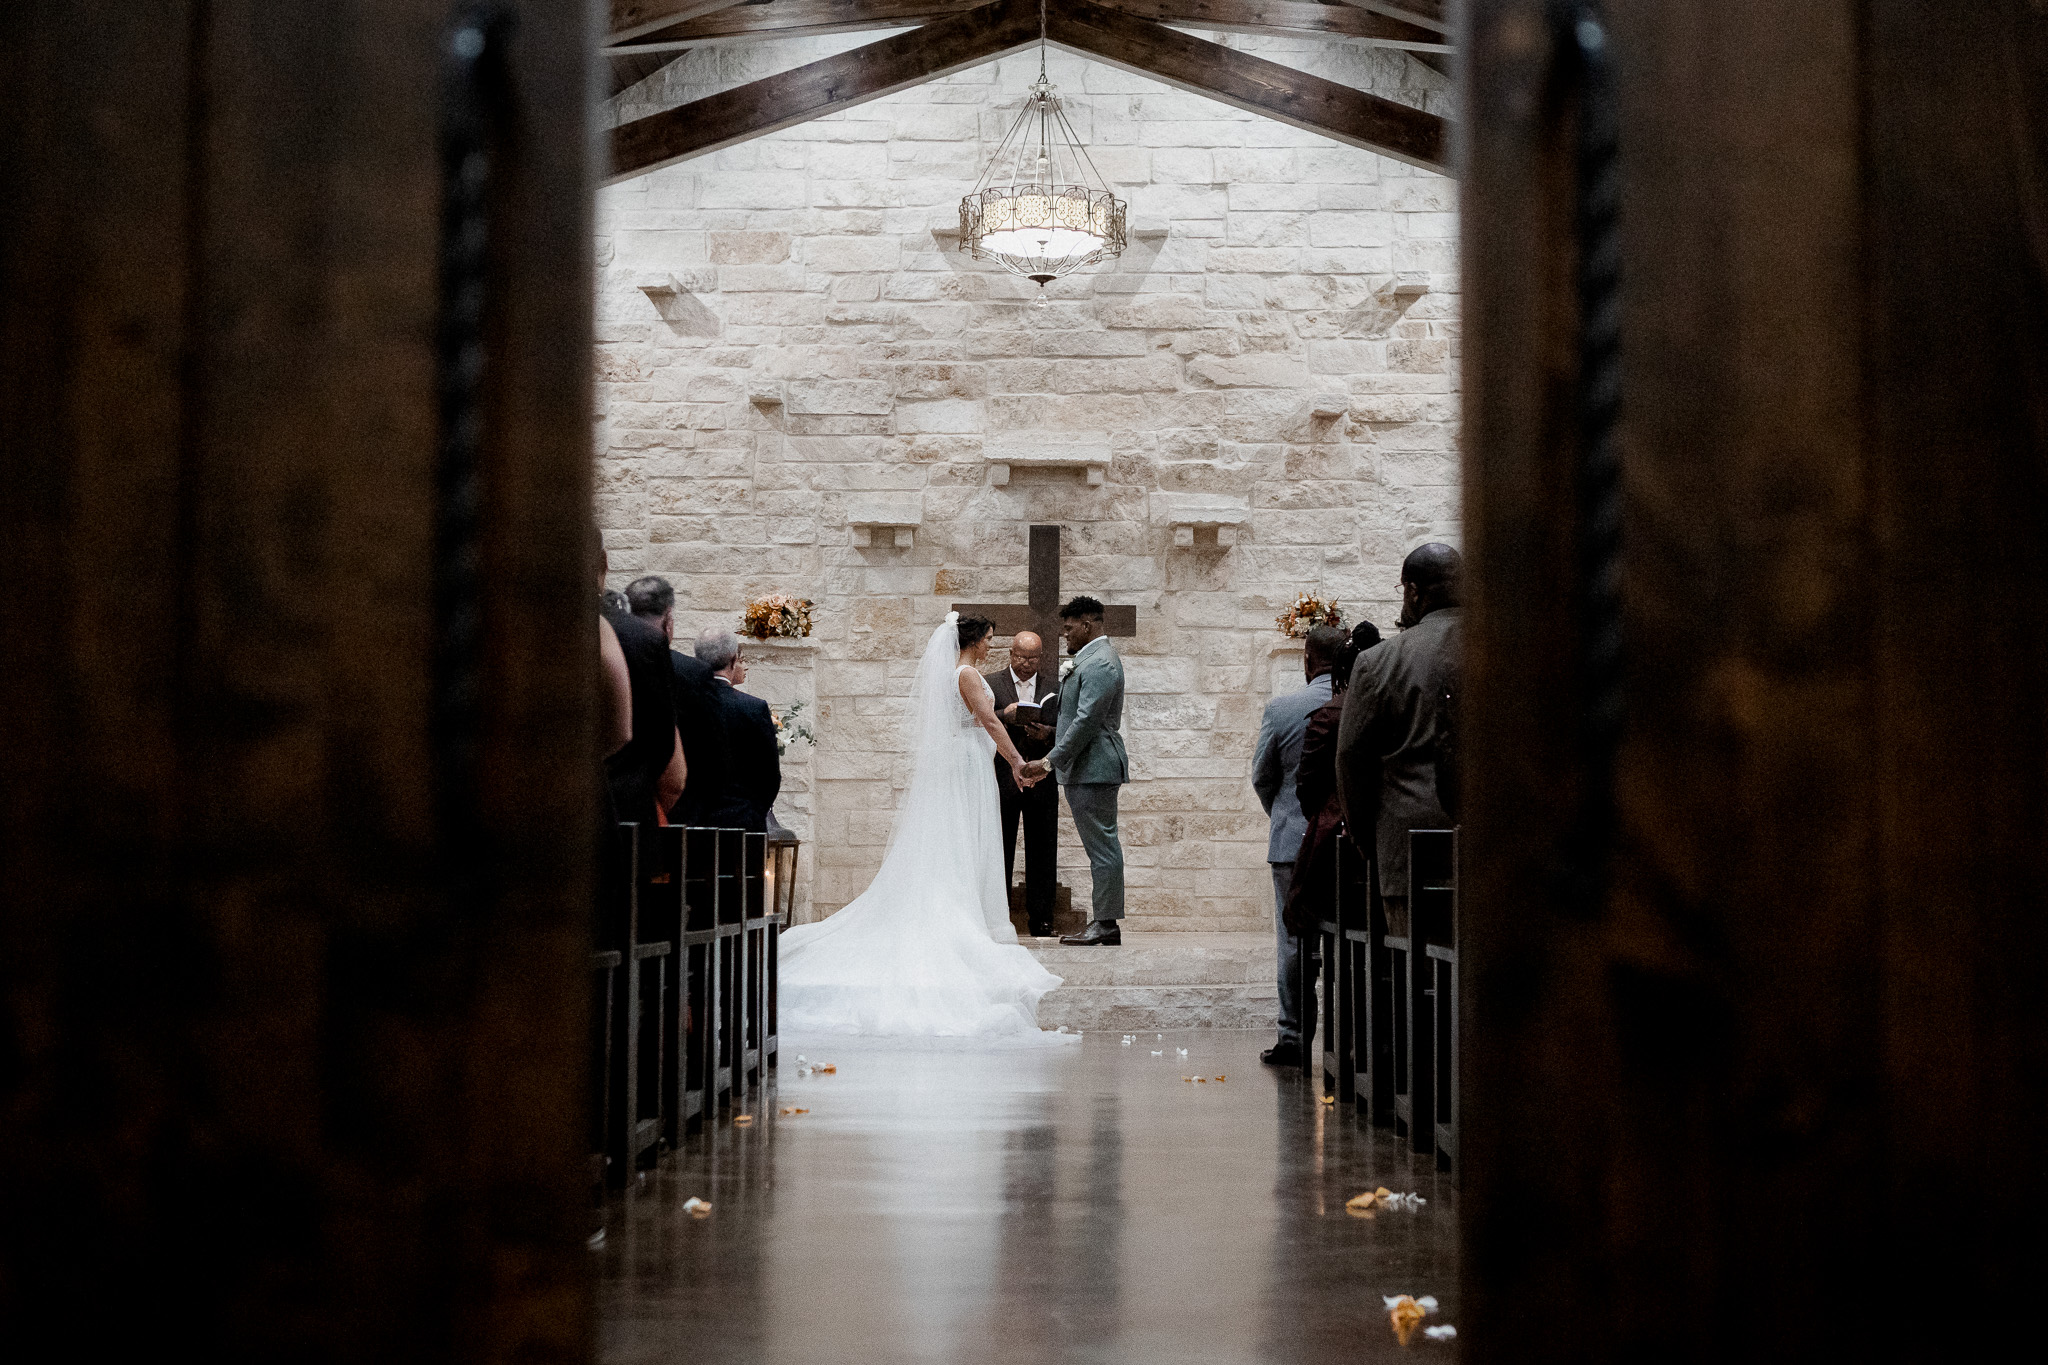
271,1090
1786,1074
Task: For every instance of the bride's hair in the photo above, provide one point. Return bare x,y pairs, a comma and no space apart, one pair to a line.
972,628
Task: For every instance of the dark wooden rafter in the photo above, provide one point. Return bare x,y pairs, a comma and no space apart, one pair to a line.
1428,13
966,39
794,19
1252,83
811,18
822,87
629,18
1287,19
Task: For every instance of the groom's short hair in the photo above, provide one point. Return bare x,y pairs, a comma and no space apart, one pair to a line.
1082,606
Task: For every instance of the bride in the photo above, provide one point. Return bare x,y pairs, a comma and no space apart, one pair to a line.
928,948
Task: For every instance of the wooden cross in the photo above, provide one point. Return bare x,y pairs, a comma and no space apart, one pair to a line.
1041,613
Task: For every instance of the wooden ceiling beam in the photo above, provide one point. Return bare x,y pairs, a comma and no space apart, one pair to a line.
822,87
1433,14
1252,83
755,20
630,18
794,19
1287,19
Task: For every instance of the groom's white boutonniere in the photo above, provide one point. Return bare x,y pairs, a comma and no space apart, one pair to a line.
1066,667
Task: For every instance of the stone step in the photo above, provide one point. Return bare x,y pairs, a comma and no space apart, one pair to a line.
1158,980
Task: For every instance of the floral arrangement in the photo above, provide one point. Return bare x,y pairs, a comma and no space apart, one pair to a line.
777,616
1308,612
790,727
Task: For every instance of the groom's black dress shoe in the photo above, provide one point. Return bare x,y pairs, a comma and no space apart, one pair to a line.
1100,932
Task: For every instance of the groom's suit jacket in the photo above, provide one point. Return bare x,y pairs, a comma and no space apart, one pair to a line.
1088,743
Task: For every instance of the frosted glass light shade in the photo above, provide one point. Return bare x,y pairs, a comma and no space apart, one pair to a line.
1042,231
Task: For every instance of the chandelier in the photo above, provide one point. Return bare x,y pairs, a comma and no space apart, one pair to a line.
1056,213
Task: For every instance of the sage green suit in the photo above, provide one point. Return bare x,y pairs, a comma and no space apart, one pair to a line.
1089,760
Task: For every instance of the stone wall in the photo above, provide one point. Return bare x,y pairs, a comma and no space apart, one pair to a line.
822,343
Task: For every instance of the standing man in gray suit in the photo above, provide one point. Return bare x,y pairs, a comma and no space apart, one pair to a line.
1275,764
1088,759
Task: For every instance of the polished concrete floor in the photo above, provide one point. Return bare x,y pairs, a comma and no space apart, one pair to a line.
1085,1204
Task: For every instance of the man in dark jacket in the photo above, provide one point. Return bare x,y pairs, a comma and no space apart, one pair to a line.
753,775
636,773
1393,715
1037,807
698,722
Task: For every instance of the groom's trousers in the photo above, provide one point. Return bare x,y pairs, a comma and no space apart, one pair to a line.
1094,807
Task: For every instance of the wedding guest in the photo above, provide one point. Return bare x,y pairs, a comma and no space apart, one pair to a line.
614,693
700,730
614,733
1393,715
1314,886
1275,764
753,776
649,769
1037,807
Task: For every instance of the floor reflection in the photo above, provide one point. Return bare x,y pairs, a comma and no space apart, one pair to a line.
1086,1204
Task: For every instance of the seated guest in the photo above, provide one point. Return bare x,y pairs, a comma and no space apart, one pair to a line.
649,769
699,727
1274,767
1393,714
1314,887
753,776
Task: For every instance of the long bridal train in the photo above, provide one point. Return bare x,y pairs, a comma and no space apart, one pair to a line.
927,950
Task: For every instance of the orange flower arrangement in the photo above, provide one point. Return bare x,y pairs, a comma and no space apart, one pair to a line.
777,616
1308,612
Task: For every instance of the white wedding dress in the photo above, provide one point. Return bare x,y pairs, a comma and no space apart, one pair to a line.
927,950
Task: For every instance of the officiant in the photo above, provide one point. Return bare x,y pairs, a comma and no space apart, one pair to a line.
1018,693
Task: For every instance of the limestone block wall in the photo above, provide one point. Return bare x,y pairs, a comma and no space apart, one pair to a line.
814,341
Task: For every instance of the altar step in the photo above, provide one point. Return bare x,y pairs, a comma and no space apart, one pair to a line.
1161,980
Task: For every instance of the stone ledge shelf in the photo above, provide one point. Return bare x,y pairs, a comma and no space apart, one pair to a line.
1186,512
896,519
1047,450
662,285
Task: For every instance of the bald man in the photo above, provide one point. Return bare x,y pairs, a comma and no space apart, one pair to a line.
1019,685
1394,712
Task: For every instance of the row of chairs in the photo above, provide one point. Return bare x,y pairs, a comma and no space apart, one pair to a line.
1389,1001
683,982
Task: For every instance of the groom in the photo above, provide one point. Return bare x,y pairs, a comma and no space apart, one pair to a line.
1088,759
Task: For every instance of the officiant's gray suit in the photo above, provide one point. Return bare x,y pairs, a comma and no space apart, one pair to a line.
1089,760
